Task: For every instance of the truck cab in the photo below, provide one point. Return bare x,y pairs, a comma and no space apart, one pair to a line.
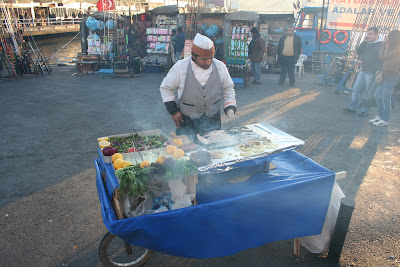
308,25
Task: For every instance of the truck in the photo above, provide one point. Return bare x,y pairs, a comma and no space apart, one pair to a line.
315,38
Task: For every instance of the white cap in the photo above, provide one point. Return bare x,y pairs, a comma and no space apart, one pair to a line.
203,42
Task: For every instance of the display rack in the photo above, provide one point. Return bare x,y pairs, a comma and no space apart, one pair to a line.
236,53
159,49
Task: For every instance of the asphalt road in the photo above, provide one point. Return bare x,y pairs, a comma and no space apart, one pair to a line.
49,209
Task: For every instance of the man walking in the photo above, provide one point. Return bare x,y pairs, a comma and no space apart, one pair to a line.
256,54
289,50
368,53
179,43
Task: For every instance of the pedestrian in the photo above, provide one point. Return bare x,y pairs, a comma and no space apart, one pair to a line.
179,43
256,54
203,84
390,55
289,50
21,19
368,53
80,15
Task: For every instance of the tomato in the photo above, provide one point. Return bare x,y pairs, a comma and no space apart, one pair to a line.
132,149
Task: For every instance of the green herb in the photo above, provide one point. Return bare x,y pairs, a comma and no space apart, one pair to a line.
179,168
134,179
143,142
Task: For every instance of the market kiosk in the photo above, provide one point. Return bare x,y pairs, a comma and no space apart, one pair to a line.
104,44
237,37
160,50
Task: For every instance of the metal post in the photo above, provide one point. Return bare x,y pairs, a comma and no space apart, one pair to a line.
320,30
341,228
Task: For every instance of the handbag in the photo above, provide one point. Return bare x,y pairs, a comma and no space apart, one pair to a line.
379,77
367,98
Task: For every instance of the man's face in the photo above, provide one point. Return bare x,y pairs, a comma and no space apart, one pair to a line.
290,31
371,36
204,62
253,34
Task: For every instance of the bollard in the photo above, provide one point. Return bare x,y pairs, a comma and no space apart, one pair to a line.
341,227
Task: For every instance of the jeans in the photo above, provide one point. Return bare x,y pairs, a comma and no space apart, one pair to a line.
383,98
287,67
256,70
363,81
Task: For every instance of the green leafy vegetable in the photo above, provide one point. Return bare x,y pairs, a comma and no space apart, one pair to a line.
143,142
134,179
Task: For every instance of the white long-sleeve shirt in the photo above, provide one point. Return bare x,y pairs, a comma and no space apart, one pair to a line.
175,80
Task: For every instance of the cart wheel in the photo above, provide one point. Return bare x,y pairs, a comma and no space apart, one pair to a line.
113,251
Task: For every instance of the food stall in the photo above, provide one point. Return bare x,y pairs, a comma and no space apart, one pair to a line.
235,200
237,37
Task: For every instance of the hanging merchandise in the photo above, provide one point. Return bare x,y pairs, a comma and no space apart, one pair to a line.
94,24
94,44
110,24
212,31
166,21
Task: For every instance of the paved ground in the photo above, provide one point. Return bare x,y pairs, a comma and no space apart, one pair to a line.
49,210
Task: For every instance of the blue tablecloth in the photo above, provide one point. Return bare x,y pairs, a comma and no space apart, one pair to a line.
289,201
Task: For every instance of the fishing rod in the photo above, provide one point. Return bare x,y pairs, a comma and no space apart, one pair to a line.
63,47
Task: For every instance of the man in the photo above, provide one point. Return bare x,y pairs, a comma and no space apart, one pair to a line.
256,54
203,83
368,53
179,43
289,50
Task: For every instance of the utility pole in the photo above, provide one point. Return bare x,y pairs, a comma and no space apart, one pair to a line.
321,27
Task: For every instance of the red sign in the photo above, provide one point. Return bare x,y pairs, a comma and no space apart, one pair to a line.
104,5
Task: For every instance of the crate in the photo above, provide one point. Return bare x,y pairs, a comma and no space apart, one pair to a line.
154,68
87,63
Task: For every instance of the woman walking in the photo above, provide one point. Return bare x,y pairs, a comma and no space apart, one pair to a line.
390,55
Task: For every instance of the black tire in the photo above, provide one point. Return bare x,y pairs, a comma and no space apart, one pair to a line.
113,251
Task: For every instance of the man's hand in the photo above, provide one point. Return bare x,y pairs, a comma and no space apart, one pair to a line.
177,118
229,115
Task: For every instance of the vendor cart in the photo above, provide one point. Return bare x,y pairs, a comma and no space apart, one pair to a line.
232,213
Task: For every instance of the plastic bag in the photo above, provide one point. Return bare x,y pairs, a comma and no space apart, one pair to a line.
178,189
131,208
320,243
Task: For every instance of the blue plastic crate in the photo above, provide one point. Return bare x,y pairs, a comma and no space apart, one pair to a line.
238,81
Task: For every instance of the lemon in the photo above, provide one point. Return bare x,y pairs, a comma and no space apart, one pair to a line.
177,142
118,163
160,159
144,164
104,144
116,156
178,153
170,149
127,163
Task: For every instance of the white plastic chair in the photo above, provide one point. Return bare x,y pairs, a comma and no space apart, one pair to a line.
300,64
